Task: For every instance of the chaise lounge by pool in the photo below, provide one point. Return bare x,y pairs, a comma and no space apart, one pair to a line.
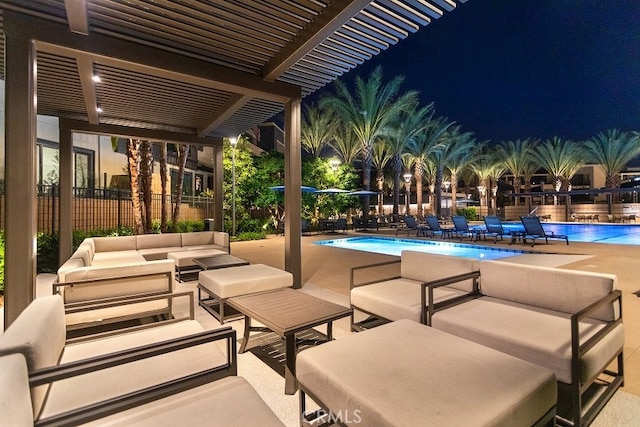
621,234
394,246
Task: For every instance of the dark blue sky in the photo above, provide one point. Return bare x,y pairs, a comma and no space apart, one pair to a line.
508,69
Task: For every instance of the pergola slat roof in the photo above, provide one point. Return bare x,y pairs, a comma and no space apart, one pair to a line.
277,46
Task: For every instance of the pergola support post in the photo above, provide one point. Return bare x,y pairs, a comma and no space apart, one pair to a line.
66,195
20,174
293,194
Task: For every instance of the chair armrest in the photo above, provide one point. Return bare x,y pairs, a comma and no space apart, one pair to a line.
429,308
120,403
352,283
78,307
578,350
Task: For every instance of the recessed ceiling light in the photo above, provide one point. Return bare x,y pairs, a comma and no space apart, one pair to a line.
98,108
96,78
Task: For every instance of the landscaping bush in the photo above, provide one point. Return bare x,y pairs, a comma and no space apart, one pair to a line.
250,235
470,213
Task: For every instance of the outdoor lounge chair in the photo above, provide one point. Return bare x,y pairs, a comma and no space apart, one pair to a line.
533,230
434,226
494,227
412,225
461,228
341,225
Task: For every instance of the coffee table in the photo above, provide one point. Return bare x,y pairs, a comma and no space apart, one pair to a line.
219,261
286,312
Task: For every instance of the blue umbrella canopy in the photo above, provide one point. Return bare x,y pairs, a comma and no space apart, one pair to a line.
332,191
303,188
363,193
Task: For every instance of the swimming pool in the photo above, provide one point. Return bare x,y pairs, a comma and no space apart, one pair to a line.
623,234
394,246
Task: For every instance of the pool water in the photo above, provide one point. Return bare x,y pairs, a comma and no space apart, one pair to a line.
394,246
622,234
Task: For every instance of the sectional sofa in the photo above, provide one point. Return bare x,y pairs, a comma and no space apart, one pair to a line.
174,374
567,321
125,266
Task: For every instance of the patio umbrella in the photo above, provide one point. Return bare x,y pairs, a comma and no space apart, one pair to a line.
332,191
303,188
363,193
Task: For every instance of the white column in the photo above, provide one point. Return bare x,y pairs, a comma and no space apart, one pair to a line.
20,158
292,193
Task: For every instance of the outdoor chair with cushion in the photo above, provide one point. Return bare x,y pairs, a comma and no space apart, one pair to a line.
494,227
434,226
341,225
461,228
412,225
533,230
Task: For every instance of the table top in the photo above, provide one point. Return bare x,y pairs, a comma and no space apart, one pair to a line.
288,310
219,261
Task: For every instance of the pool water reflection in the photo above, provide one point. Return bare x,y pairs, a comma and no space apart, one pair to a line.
394,246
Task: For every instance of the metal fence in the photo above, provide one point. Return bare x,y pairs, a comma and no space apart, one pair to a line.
106,208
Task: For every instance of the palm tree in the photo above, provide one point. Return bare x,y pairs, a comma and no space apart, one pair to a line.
409,124
457,154
495,173
183,153
345,143
482,167
380,156
516,156
370,112
612,152
163,185
317,130
562,159
430,172
420,148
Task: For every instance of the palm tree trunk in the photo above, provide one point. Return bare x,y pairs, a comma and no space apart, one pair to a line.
146,162
163,184
397,171
516,191
454,191
182,161
380,182
366,180
438,199
133,153
418,173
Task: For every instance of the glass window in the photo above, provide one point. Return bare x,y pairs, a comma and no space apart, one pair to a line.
49,161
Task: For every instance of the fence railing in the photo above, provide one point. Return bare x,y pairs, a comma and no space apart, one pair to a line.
106,208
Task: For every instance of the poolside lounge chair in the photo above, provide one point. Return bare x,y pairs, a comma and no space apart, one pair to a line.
461,228
434,226
494,227
412,225
533,230
341,225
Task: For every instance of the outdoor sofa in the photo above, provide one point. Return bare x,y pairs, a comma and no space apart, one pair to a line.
124,266
386,296
174,374
568,321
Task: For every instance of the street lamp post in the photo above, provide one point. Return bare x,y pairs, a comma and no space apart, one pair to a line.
234,142
446,184
407,186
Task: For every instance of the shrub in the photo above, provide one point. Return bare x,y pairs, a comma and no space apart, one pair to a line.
47,261
250,235
470,213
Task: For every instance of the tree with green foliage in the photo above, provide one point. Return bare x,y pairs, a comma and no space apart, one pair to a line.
344,143
612,151
562,159
245,170
370,112
517,157
317,130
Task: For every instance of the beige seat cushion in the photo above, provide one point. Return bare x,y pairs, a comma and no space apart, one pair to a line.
230,401
39,334
396,299
245,279
118,380
540,336
404,374
424,267
556,289
15,400
185,258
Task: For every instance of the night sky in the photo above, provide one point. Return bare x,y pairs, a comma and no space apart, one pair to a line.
508,69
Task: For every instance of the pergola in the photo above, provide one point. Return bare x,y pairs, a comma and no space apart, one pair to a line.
181,71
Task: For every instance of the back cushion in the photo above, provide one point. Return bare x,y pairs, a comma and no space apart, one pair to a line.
567,291
221,238
38,333
197,238
426,267
88,242
167,240
118,243
15,399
